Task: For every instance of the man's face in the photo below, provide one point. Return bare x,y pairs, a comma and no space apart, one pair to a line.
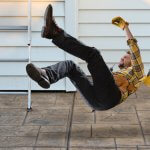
125,61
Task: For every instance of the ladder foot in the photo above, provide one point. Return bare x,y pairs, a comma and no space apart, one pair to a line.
29,109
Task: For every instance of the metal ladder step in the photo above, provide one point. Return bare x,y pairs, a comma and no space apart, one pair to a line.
1,75
13,93
14,28
14,60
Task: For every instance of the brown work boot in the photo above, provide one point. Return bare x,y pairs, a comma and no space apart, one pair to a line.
50,28
39,75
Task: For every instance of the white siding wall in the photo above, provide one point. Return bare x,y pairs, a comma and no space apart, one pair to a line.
13,44
95,28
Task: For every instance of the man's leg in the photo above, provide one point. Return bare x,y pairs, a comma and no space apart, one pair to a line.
104,84
78,78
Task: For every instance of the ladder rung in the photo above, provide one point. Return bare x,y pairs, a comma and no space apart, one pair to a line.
13,93
2,75
13,28
14,60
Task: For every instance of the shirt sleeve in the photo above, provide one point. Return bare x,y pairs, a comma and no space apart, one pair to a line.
136,59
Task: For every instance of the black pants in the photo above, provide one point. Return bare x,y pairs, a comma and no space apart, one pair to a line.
103,93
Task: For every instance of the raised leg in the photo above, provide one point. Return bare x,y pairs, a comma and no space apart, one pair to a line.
78,78
104,85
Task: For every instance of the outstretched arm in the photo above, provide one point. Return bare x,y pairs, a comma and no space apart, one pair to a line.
136,59
128,32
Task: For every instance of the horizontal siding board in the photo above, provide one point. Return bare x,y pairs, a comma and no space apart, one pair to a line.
118,54
114,4
13,52
84,67
21,83
111,30
105,16
13,38
38,8
114,42
19,69
107,55
9,68
15,83
13,21
37,22
37,53
20,38
47,54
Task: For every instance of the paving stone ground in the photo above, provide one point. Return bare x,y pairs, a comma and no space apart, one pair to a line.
64,121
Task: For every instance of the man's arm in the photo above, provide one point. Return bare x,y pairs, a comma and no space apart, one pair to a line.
136,59
128,32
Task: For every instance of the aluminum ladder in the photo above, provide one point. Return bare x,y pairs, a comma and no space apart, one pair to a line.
28,60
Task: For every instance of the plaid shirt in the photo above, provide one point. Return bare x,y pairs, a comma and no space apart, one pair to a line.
134,74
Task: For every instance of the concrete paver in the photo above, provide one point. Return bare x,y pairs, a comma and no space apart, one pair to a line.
81,130
17,148
116,118
45,119
147,138
48,149
92,142
11,120
58,129
17,141
143,147
92,149
64,121
116,131
7,131
130,141
83,118
127,148
51,139
144,116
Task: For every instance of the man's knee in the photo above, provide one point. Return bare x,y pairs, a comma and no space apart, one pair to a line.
70,63
74,68
94,55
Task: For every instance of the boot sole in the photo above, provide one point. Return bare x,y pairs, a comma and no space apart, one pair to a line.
43,32
35,75
47,15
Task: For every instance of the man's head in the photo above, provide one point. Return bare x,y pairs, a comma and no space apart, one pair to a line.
125,61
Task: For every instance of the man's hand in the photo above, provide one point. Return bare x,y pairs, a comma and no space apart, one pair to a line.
120,22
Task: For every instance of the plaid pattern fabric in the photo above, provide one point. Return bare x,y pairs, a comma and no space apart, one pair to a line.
135,73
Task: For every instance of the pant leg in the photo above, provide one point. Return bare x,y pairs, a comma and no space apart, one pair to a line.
73,46
103,82
106,90
78,78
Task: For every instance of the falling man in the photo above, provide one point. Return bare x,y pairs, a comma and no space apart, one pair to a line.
107,89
